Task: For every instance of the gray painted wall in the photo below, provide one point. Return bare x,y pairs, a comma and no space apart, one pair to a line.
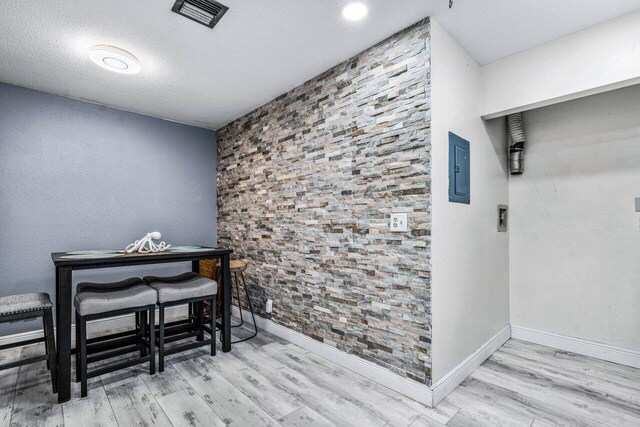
76,176
575,243
470,259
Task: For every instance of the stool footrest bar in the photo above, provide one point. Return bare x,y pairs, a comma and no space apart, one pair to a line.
117,366
185,347
95,340
21,343
23,362
113,353
179,337
108,345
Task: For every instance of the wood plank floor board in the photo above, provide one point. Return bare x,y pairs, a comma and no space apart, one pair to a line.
123,376
164,383
133,404
92,411
620,370
488,414
553,392
233,406
6,404
9,377
195,363
8,381
268,381
424,421
39,416
442,413
331,405
273,399
585,369
462,419
33,385
263,338
541,423
187,408
305,417
600,369
605,390
377,404
571,361
498,397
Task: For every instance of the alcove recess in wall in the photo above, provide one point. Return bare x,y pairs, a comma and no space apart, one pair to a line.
503,218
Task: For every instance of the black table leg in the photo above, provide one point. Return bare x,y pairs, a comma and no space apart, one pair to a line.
63,332
193,313
226,303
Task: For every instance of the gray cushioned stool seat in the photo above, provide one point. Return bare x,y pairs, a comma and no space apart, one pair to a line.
94,298
112,286
21,303
183,286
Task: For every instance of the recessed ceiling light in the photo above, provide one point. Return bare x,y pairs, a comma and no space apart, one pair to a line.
354,11
114,59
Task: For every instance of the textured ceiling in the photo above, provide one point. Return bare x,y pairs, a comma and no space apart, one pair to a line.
493,29
260,49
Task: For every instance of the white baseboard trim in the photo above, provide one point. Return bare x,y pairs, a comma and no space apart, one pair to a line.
97,326
457,375
383,376
580,346
422,393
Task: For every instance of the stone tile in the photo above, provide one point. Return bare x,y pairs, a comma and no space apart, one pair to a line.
306,184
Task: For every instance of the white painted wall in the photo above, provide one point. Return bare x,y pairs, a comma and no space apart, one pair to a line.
575,237
470,299
595,60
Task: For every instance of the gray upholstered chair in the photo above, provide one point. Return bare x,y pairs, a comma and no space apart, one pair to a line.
187,288
101,300
14,308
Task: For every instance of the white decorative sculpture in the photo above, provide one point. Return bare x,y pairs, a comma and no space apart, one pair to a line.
146,244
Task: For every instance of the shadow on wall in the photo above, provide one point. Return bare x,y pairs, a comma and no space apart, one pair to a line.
573,131
497,131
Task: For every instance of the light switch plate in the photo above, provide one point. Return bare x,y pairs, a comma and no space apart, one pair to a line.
398,222
637,204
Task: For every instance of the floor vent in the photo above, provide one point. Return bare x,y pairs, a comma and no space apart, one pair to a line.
205,12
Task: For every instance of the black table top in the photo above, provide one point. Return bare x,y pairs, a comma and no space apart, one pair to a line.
106,258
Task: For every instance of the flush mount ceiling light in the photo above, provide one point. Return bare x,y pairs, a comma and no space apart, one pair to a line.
354,11
114,59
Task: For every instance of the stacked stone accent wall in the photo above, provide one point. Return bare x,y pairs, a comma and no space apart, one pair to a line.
306,184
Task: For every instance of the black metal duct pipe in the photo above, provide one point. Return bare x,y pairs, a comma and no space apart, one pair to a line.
516,149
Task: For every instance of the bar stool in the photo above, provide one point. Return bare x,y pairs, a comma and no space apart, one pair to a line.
14,308
238,266
186,288
101,300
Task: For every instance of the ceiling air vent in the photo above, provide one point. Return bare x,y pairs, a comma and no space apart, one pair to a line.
205,12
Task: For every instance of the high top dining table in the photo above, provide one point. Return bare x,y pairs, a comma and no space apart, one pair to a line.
67,262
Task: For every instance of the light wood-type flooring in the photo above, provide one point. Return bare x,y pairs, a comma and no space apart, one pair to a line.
269,382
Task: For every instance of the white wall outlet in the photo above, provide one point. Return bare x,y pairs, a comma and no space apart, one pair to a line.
269,307
398,222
